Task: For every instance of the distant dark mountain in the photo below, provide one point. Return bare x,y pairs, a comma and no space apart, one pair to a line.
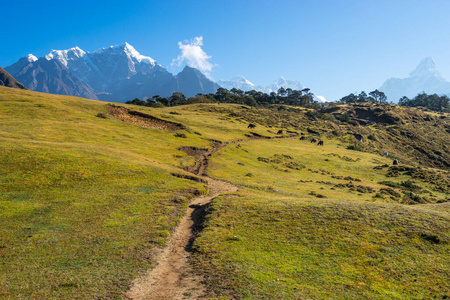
7,80
116,73
424,78
191,81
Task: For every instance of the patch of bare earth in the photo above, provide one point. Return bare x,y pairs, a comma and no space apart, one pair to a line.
141,119
173,277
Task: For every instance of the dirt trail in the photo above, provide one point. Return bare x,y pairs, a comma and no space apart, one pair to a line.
174,277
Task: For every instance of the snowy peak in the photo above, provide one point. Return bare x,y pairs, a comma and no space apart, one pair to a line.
130,51
424,78
426,68
241,79
31,58
238,82
283,82
64,56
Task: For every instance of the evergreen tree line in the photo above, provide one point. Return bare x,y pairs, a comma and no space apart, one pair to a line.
433,102
374,96
303,98
284,96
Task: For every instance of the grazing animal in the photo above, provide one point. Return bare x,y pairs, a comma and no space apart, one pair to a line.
395,162
314,140
251,126
280,131
303,138
386,154
320,143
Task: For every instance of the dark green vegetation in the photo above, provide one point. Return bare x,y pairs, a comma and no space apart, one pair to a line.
87,191
432,102
287,96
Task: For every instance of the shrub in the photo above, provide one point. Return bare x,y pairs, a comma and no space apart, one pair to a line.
354,147
410,185
102,115
180,135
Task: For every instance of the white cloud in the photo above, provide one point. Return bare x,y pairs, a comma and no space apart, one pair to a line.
193,54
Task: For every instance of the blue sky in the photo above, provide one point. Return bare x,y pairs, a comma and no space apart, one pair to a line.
333,47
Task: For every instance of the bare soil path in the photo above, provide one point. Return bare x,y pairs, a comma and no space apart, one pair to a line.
174,277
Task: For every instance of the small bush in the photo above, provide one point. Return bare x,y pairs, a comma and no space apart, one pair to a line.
389,191
411,198
180,135
317,195
391,184
263,159
354,147
410,185
102,115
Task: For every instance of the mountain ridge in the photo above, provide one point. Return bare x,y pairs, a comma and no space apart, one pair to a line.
9,81
116,73
424,78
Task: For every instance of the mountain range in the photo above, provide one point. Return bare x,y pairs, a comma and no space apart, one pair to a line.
116,73
424,78
120,73
239,82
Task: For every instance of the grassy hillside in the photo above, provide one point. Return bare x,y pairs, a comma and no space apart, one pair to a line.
308,232
87,192
83,199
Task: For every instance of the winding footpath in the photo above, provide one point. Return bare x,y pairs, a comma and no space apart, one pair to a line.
174,277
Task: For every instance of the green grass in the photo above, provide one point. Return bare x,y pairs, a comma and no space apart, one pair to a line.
276,239
84,200
259,246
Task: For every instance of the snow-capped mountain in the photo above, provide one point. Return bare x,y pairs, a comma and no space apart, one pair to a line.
424,78
281,82
239,82
115,73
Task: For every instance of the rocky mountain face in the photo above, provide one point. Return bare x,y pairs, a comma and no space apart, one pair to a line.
424,78
116,73
191,81
7,80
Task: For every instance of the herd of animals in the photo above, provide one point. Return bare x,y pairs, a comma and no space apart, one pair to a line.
320,142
